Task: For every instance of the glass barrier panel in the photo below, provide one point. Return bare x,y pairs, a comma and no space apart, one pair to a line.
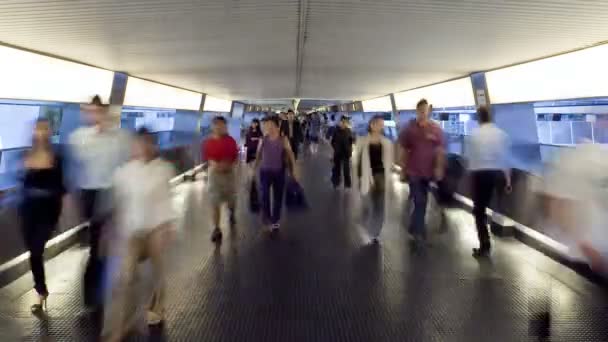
581,131
561,132
600,132
544,131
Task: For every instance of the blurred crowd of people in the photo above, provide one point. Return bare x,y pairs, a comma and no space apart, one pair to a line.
123,188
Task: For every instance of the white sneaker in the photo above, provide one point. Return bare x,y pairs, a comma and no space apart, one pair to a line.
152,318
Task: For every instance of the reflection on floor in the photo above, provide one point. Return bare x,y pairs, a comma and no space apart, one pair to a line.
321,281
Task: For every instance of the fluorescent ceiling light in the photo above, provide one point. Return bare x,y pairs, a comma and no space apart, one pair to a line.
30,76
380,104
573,75
142,93
457,93
214,104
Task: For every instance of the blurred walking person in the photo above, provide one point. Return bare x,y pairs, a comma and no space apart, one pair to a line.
221,151
314,132
274,156
422,159
487,154
292,130
373,164
576,190
252,141
43,189
97,150
342,142
144,218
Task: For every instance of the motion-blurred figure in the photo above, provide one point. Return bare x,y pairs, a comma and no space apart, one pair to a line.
314,130
487,155
252,140
422,159
221,151
98,149
342,142
291,129
373,164
143,226
43,189
577,188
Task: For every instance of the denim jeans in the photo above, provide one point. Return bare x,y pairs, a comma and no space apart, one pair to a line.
419,192
274,179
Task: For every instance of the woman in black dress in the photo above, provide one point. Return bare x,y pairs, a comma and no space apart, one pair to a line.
254,134
43,190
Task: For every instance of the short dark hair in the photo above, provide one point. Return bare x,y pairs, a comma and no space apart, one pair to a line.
372,120
145,134
483,115
219,118
421,103
43,119
96,101
274,119
344,118
290,111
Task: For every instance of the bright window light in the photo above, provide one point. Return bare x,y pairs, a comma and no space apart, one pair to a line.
142,93
30,76
464,117
380,104
578,74
214,104
457,93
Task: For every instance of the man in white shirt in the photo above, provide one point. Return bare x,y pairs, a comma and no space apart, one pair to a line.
144,216
487,153
577,187
97,151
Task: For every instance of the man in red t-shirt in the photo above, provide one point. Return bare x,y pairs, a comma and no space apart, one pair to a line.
221,151
422,160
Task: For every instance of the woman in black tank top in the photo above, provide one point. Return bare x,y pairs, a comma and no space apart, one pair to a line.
43,190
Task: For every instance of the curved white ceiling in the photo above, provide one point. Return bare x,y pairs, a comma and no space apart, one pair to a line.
352,49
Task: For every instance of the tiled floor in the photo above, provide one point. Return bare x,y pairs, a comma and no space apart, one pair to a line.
321,281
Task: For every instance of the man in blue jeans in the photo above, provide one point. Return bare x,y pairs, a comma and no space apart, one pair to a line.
422,160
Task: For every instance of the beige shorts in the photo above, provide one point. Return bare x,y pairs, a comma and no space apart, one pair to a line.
221,187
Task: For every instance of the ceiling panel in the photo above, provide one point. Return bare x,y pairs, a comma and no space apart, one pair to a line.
232,49
352,49
363,49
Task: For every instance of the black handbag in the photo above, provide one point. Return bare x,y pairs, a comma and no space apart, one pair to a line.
254,197
295,200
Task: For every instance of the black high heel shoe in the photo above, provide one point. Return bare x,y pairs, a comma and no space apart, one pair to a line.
41,305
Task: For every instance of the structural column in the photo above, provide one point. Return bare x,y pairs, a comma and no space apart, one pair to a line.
117,96
395,112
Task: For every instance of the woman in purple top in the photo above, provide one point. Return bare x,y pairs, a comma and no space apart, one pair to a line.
274,155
